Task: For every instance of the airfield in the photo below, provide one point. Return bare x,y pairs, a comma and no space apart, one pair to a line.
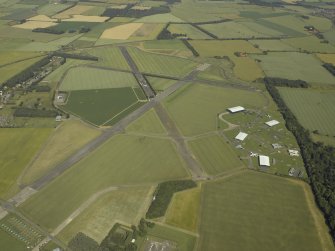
165,125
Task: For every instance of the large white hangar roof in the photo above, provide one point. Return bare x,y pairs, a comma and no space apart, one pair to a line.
272,123
236,109
241,136
264,160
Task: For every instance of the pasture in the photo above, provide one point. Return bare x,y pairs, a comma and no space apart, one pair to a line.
123,205
189,30
294,65
290,24
30,25
159,18
122,32
149,123
64,141
76,10
183,211
10,57
10,243
42,18
327,58
82,18
196,101
311,44
109,103
18,148
148,31
109,57
314,109
85,78
161,64
160,84
277,215
272,45
109,165
52,9
214,154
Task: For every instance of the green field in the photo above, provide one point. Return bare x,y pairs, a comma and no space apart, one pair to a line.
99,106
160,84
64,141
254,211
124,205
110,165
272,45
195,108
294,65
18,147
10,243
314,109
189,30
160,64
159,18
147,123
85,78
311,44
10,57
214,154
73,26
52,9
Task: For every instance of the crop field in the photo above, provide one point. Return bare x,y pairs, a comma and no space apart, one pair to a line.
294,65
80,78
214,154
109,103
52,9
10,57
160,84
189,30
196,101
148,31
123,205
262,30
159,18
289,22
82,18
311,44
123,31
327,58
164,45
184,209
30,25
160,64
277,215
23,142
272,45
68,26
287,30
148,123
110,57
42,18
64,141
111,166
314,109
76,10
10,243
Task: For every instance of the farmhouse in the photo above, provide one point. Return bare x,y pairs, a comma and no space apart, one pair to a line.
241,136
272,123
264,161
236,109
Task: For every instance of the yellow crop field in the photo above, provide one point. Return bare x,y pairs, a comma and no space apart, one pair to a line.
327,58
42,18
76,10
30,25
122,31
82,18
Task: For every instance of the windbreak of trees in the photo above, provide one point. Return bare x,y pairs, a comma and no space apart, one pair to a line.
190,47
76,56
30,112
48,30
319,161
330,68
135,13
286,82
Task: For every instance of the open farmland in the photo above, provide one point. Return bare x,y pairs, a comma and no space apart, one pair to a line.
10,243
64,141
327,58
82,18
314,109
190,31
80,78
215,155
109,103
277,216
311,44
160,64
202,101
22,142
294,65
52,9
30,25
160,84
10,57
111,166
76,10
110,57
123,31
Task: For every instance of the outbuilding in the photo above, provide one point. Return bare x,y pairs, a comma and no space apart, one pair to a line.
272,123
264,160
241,136
236,109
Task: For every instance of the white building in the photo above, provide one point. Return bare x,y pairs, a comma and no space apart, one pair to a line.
293,152
236,109
272,123
241,136
264,160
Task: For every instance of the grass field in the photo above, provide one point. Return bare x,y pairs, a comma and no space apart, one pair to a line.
110,165
148,31
214,154
294,65
272,45
68,26
64,141
30,25
80,78
124,205
76,10
160,84
183,211
311,44
148,123
52,9
314,109
18,147
186,106
189,30
110,57
289,25
122,32
9,57
10,243
327,58
159,18
109,103
255,211
160,64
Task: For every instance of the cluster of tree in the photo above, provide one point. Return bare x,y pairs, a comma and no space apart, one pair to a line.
213,22
163,196
39,88
27,73
330,68
266,4
172,1
204,31
191,48
319,161
76,56
48,30
135,13
286,82
165,34
35,113
82,242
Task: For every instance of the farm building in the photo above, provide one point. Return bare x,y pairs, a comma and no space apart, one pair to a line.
241,136
276,146
293,152
264,160
272,123
236,109
58,118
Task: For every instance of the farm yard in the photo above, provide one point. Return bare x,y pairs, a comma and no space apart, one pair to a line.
214,133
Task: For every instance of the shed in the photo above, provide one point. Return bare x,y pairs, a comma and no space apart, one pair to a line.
58,118
272,123
293,152
236,109
264,160
241,136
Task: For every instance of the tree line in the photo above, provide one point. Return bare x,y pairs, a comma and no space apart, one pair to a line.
135,13
330,68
